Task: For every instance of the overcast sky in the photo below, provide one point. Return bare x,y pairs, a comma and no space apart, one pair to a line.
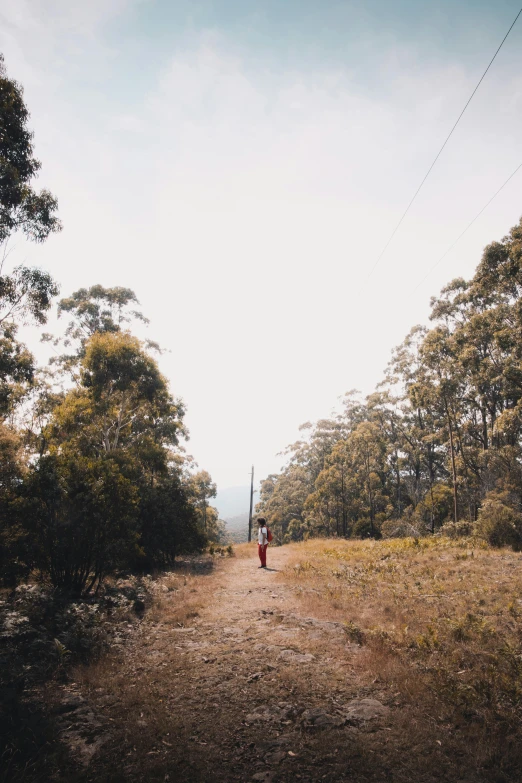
241,163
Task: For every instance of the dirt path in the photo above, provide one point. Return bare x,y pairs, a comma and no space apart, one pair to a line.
250,689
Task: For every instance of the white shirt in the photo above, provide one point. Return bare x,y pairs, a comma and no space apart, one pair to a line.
262,537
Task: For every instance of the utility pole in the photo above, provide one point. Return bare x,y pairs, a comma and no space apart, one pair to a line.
251,505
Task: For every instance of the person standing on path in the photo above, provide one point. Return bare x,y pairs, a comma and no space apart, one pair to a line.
262,539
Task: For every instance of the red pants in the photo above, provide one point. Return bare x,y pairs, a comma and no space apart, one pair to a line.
261,548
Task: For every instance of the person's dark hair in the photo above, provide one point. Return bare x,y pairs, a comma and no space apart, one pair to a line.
261,521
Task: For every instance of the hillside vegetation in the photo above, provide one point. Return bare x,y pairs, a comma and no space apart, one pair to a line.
237,528
439,623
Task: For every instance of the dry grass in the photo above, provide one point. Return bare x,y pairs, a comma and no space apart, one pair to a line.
243,551
190,597
439,623
139,691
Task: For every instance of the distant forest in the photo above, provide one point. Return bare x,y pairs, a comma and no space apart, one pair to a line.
93,477
237,528
438,444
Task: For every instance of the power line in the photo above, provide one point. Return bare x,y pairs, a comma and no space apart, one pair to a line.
441,149
428,273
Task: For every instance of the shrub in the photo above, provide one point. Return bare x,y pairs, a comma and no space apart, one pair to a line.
364,529
82,514
402,528
168,523
499,524
436,506
458,530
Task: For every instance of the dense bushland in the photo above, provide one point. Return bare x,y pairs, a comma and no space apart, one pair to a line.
439,441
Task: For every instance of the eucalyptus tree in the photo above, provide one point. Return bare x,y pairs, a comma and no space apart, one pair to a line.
201,489
442,435
25,294
21,207
25,298
283,498
335,506
121,402
99,309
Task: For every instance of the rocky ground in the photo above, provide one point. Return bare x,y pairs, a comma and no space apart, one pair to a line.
42,635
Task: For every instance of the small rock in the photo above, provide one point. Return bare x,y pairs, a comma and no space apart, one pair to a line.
260,714
288,711
276,757
266,776
295,657
254,677
364,709
316,718
279,712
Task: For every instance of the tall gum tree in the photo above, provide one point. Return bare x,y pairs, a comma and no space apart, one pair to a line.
121,401
25,294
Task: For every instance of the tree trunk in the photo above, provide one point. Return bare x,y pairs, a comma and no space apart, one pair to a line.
453,467
345,527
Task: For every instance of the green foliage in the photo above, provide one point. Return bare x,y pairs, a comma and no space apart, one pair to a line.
436,507
15,560
121,402
82,514
364,528
442,432
25,294
105,491
99,309
201,489
499,524
120,422
25,297
92,478
408,525
168,523
463,529
21,208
